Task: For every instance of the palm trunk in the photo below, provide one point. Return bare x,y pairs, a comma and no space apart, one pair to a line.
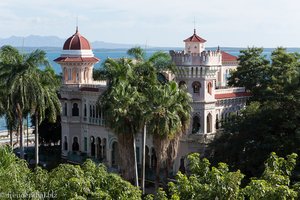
157,179
36,139
161,146
143,159
135,163
126,155
19,112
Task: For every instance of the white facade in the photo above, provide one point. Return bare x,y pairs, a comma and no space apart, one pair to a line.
203,72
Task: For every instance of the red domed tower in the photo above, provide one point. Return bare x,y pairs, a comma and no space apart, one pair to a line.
77,60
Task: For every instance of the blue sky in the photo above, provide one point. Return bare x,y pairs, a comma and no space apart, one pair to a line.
235,23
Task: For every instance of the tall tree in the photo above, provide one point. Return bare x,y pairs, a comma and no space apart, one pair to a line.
45,99
169,116
271,121
121,103
21,75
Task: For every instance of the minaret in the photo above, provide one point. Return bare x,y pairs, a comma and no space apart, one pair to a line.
77,60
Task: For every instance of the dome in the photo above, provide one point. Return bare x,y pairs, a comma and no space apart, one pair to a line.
77,42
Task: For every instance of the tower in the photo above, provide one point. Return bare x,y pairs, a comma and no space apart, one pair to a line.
77,60
194,44
197,69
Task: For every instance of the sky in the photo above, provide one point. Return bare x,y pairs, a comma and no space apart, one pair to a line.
165,23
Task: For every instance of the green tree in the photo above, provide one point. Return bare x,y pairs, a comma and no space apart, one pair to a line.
169,108
21,80
45,99
275,181
270,123
253,69
206,182
121,103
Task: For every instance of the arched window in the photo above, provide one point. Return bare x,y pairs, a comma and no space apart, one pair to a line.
85,111
104,149
65,143
196,87
208,123
196,124
69,74
114,154
99,148
181,84
93,146
209,88
91,111
66,109
75,110
75,145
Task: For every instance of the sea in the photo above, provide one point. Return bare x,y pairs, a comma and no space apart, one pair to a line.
103,54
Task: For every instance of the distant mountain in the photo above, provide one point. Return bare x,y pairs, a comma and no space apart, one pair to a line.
53,41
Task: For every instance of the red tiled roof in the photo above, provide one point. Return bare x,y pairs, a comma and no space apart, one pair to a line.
228,57
77,42
89,89
77,59
232,95
195,38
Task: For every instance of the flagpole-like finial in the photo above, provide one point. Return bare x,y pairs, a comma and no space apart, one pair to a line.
76,24
194,25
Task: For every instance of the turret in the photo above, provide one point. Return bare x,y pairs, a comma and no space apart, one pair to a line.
194,44
77,60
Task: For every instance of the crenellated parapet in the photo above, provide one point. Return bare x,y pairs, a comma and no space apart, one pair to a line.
206,58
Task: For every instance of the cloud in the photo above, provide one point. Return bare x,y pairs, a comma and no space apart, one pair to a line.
160,23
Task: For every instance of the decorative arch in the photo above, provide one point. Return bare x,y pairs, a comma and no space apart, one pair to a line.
75,145
99,148
181,83
75,110
196,86
115,154
93,146
209,123
209,88
65,143
65,109
196,124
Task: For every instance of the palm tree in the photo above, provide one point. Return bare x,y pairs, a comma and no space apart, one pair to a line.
18,75
121,104
168,118
45,99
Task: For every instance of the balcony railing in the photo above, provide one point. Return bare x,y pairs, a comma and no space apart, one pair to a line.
229,90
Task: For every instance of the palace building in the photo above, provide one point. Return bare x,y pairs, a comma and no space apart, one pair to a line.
203,72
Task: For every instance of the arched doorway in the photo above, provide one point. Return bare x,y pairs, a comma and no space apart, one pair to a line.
75,145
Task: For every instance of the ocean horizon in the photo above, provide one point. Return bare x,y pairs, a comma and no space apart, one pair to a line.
103,54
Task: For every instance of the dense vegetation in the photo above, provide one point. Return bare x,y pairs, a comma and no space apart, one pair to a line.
271,121
91,181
